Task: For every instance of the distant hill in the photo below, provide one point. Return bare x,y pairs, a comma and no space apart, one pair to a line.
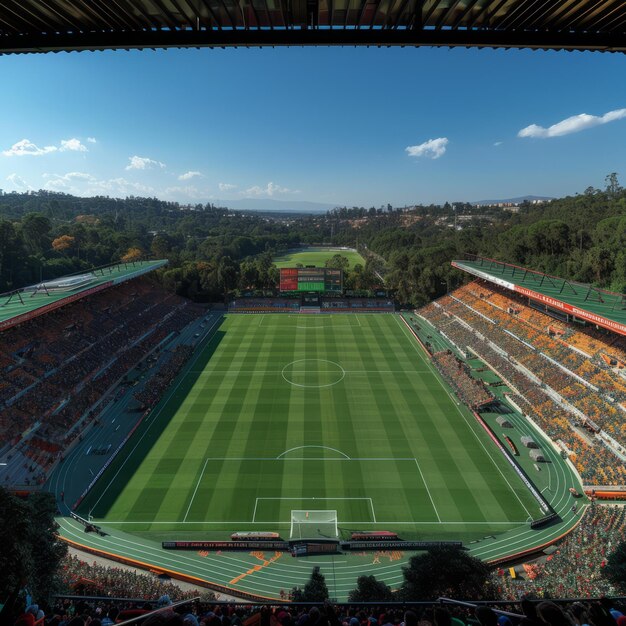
514,200
286,206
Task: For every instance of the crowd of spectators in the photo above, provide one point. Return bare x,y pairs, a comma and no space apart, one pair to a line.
471,391
468,328
151,393
574,570
358,304
264,305
68,359
602,612
94,579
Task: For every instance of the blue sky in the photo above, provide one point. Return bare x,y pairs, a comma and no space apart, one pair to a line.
334,125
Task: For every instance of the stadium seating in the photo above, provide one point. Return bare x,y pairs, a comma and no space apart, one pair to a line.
478,316
56,369
264,305
470,390
574,570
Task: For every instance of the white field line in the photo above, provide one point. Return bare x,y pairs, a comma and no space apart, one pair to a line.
313,446
373,512
412,340
195,490
427,489
321,458
443,522
236,372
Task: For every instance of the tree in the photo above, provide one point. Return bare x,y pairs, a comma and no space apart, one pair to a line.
248,275
227,271
612,184
445,571
368,589
615,569
35,228
338,262
31,552
62,243
132,254
314,591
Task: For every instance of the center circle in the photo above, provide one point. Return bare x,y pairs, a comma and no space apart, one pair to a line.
313,373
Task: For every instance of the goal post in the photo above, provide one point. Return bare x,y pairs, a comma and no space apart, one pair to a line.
313,524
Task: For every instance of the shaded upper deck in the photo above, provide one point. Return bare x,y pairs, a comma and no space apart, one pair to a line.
24,304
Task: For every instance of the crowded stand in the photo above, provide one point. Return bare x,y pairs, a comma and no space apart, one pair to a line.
327,305
574,569
470,390
118,582
530,612
264,305
57,369
526,602
462,318
151,394
356,305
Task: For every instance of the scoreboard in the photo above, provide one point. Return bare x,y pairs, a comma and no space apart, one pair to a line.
311,279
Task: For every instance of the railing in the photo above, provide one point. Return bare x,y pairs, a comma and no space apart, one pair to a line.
498,606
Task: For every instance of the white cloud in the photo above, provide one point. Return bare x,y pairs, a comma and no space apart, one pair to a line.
26,147
573,124
72,144
83,184
226,186
143,163
188,192
432,149
497,143
18,182
269,191
120,186
91,140
67,182
189,175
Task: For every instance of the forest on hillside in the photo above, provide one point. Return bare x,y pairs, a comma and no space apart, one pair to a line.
213,251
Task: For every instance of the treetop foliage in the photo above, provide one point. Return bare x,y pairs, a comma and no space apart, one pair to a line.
212,250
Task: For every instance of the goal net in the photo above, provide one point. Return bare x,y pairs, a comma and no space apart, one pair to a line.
314,525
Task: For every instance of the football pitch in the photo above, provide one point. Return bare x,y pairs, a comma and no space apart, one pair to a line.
316,257
341,413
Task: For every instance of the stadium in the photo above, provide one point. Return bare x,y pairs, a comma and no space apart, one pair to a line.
317,418
275,419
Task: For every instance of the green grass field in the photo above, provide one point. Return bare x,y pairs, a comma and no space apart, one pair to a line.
316,256
319,412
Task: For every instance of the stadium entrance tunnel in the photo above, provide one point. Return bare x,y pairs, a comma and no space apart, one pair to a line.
313,373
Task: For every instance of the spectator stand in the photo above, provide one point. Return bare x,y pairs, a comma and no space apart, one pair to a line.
135,398
77,356
584,409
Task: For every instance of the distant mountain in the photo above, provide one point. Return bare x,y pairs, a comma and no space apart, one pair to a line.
514,200
286,206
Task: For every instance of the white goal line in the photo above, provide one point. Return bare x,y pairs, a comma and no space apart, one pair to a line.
317,500
241,523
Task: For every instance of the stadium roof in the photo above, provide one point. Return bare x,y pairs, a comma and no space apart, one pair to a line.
585,302
24,304
66,25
